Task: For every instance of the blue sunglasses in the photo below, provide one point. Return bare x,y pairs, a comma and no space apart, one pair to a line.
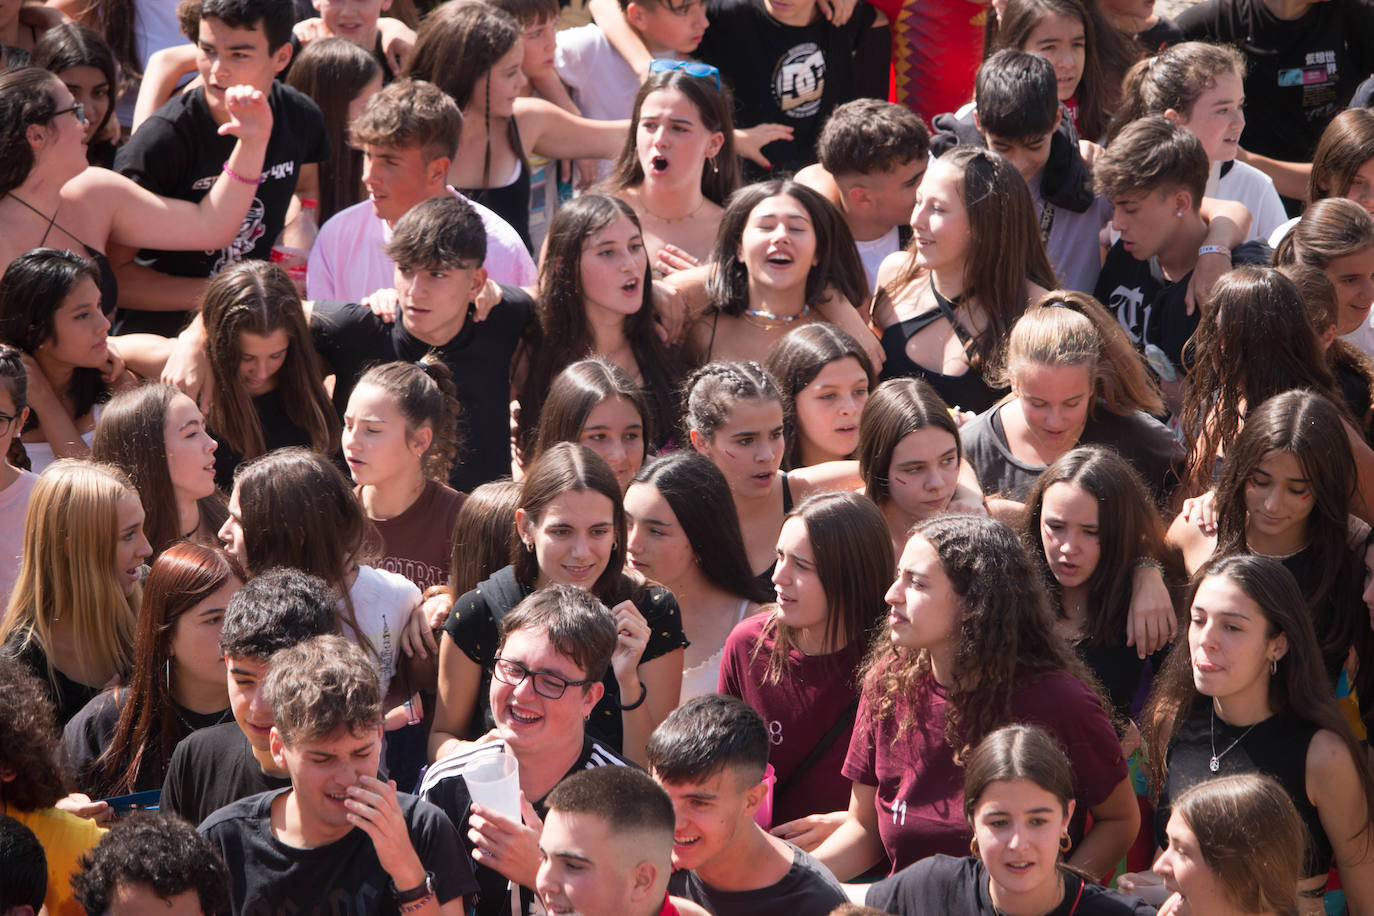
690,67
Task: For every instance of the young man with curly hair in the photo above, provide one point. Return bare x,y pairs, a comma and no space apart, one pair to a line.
153,863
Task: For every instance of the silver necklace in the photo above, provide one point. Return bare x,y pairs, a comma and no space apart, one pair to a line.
1215,763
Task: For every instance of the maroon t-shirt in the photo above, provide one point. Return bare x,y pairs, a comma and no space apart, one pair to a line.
416,543
799,711
921,789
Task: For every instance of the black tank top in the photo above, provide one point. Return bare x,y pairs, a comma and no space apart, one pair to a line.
968,391
510,202
1276,747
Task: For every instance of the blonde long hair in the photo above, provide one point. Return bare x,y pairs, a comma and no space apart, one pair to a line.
70,533
1068,328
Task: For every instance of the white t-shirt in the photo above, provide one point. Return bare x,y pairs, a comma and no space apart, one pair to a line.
14,502
599,80
383,602
1248,185
155,28
349,259
873,251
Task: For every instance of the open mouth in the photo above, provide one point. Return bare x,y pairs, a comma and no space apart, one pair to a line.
522,718
658,165
631,285
780,259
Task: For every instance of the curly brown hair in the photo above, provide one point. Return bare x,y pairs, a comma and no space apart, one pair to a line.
1005,633
29,723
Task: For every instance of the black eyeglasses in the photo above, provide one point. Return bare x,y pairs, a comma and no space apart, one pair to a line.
550,686
77,109
5,421
690,67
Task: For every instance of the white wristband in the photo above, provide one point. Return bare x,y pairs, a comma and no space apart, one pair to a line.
1214,249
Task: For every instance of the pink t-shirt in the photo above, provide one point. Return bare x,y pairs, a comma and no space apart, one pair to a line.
920,787
349,259
14,502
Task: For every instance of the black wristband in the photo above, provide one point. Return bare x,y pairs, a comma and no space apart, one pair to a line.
643,695
420,892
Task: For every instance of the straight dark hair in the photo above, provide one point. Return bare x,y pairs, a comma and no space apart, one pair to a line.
1128,528
699,496
333,71
1005,252
796,360
838,264
720,176
1308,426
259,298
1296,687
854,562
563,333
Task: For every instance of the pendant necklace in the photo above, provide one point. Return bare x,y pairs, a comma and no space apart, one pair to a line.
1215,763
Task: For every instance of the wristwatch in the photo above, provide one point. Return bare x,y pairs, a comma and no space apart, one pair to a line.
415,893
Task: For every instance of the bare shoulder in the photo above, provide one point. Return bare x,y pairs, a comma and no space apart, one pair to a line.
687,907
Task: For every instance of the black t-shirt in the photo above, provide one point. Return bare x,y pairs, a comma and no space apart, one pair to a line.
179,153
278,431
350,338
1299,73
212,768
943,884
783,74
445,788
68,696
343,878
1162,34
1153,310
91,731
808,889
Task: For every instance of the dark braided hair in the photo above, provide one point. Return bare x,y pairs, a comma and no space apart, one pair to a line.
712,390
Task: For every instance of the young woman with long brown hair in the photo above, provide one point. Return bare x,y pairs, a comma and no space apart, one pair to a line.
944,306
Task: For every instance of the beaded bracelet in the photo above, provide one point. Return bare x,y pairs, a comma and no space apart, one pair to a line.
417,904
240,179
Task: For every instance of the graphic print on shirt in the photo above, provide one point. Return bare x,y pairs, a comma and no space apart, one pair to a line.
1317,77
1127,302
775,732
254,225
799,80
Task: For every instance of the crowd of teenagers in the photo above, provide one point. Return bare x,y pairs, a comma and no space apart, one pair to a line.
812,457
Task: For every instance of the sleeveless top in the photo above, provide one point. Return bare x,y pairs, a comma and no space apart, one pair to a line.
1276,747
968,391
702,679
510,201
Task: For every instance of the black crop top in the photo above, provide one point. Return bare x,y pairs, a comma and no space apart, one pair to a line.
968,391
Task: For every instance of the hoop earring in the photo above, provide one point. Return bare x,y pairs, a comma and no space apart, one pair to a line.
715,169
1065,844
167,670
529,545
973,847
1273,666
